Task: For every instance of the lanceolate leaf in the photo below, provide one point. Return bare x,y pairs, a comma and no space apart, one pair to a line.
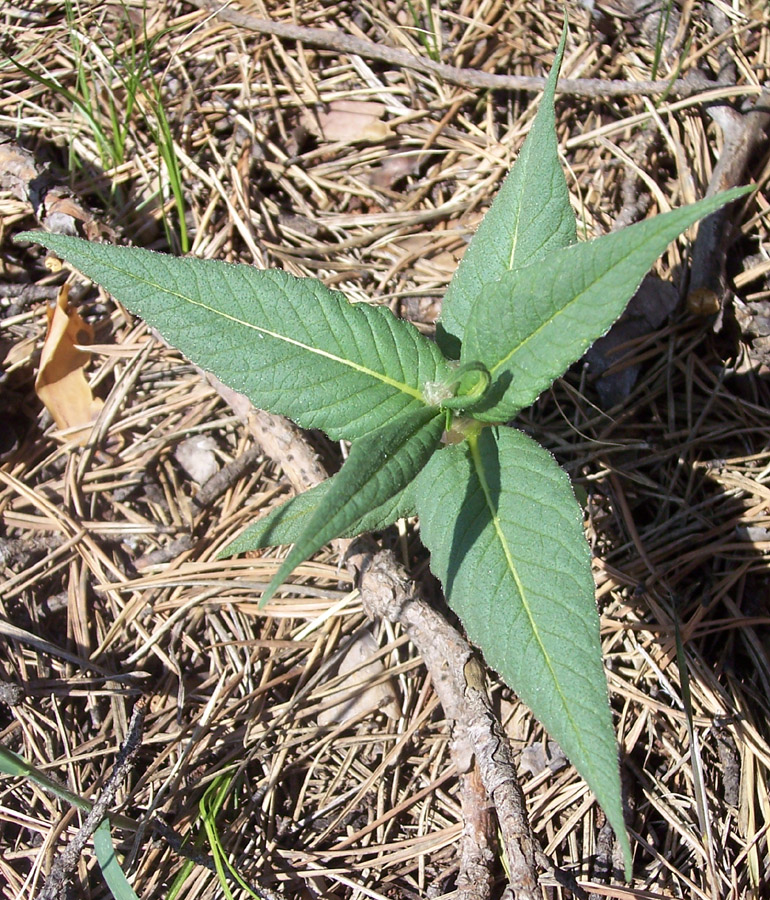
506,539
290,344
532,324
286,523
530,217
377,470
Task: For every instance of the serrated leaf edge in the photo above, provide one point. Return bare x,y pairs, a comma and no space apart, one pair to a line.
478,465
308,542
542,120
706,203
405,388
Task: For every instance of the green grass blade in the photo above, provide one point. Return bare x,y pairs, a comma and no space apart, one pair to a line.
179,879
210,806
13,764
78,102
114,876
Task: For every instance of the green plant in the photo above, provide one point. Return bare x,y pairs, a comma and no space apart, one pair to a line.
104,849
210,806
114,87
428,36
664,17
427,420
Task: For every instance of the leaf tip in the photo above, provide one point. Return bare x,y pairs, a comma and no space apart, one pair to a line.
269,593
23,237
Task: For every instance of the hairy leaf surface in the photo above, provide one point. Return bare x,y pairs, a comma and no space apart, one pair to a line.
286,523
530,217
532,324
506,540
290,344
376,471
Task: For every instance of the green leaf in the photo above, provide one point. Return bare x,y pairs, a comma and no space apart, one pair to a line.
377,470
13,764
506,540
108,863
532,324
292,345
286,523
530,217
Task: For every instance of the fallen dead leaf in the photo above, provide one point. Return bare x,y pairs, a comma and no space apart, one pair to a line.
536,758
197,456
61,383
392,169
17,169
348,121
378,696
754,322
63,213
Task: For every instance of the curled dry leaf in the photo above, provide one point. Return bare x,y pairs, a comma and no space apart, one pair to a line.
197,456
349,121
28,181
754,322
380,693
392,169
63,214
17,169
538,757
61,383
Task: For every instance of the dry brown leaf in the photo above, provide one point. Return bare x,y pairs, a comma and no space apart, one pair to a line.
379,695
17,169
63,212
392,169
61,383
348,121
754,322
197,456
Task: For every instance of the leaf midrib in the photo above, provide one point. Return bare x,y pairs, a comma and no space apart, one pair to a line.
364,370
562,309
480,474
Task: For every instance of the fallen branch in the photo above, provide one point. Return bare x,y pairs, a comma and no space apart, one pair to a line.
459,681
66,862
338,41
386,591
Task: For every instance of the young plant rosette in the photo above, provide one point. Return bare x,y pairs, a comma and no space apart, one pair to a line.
496,512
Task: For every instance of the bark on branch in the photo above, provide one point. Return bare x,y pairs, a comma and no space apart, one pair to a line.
339,41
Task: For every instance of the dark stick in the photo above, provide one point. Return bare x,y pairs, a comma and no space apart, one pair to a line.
226,477
66,862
